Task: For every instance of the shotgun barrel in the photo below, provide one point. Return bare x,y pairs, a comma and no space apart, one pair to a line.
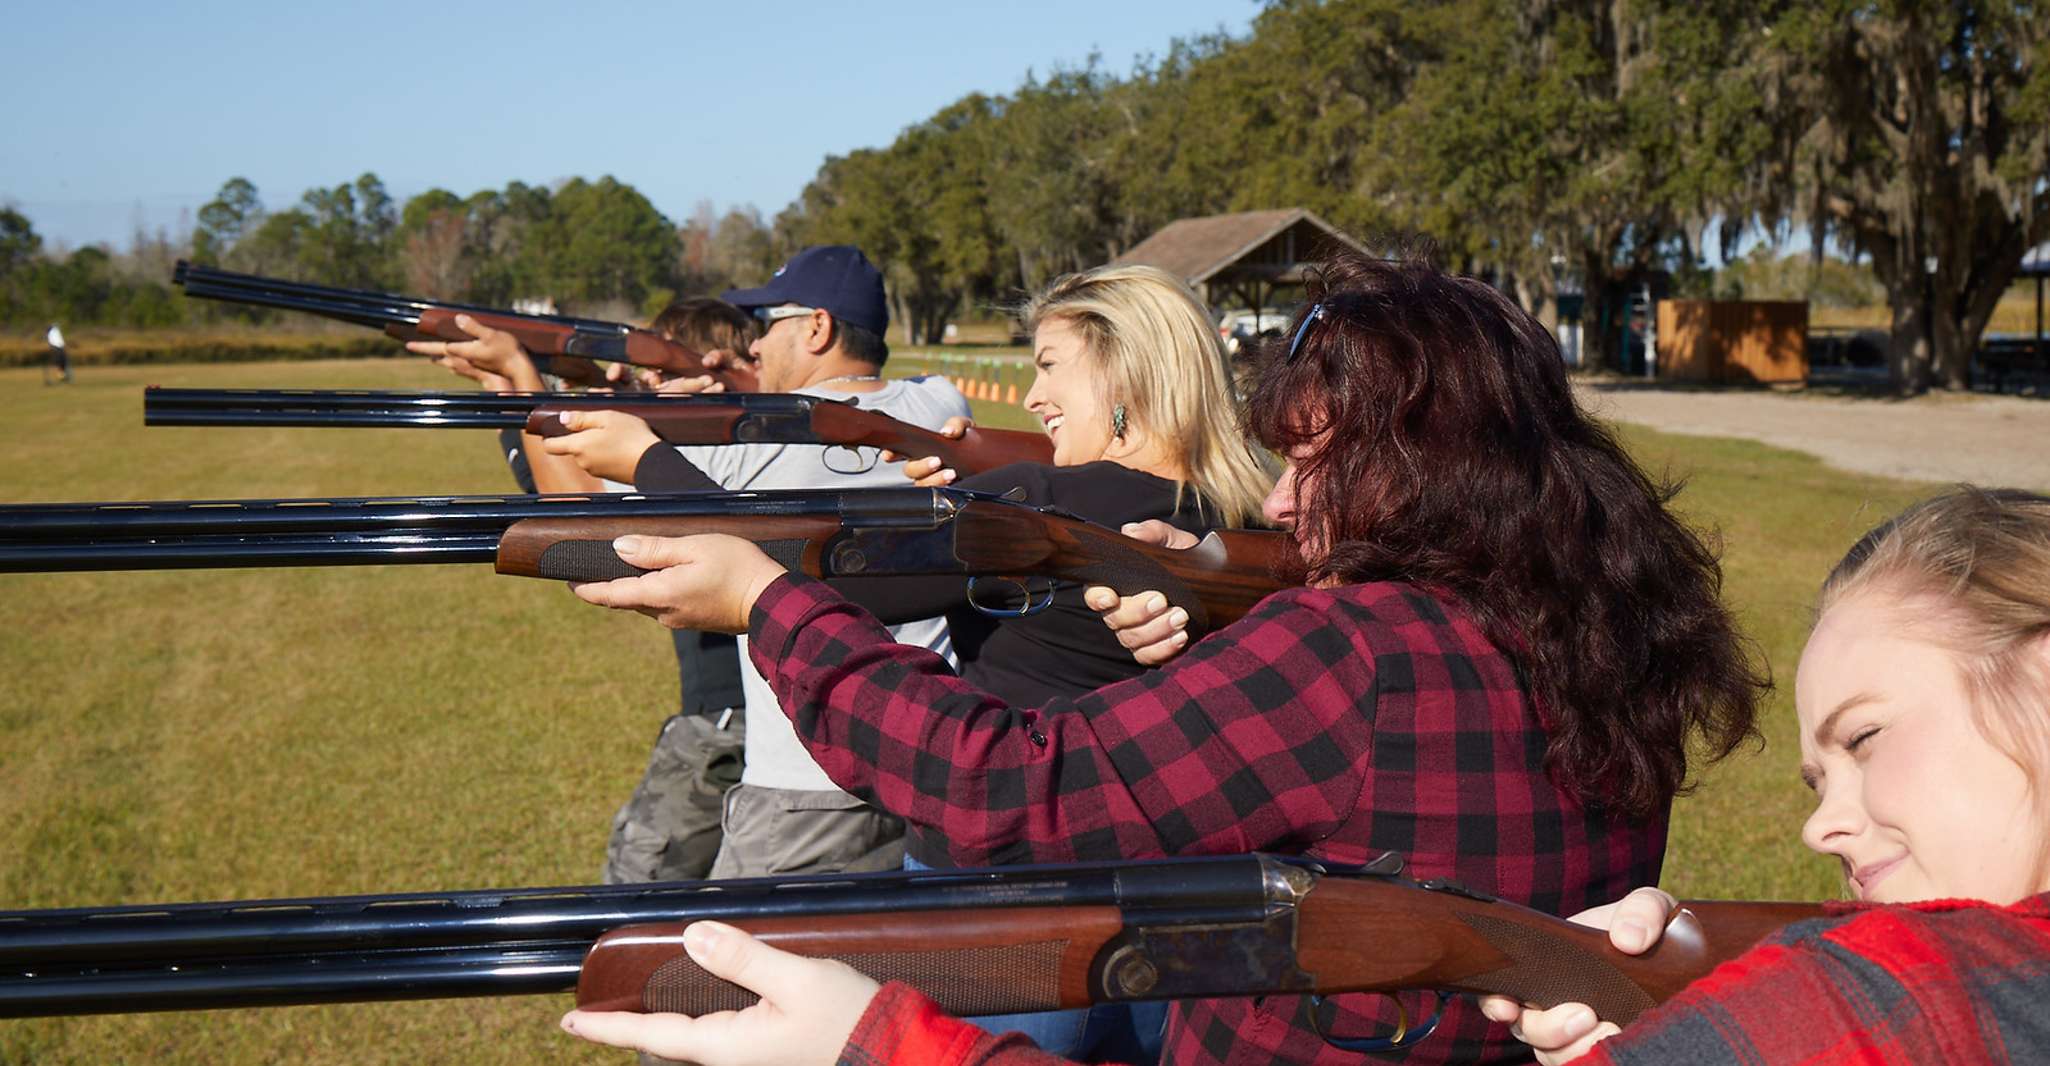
979,940
824,533
186,273
411,318
713,418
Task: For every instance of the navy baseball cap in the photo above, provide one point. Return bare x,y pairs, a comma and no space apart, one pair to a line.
835,278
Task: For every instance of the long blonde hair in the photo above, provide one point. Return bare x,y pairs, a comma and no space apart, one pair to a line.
1981,558
1159,357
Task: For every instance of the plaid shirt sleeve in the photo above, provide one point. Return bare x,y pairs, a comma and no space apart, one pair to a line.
1949,981
1252,740
903,1028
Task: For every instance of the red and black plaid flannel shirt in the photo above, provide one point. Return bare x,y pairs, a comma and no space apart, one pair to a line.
1337,723
1951,981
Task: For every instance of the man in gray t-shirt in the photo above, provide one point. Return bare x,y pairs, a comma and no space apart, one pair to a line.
786,816
822,316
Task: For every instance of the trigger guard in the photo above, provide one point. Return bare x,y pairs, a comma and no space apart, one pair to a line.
853,468
1030,608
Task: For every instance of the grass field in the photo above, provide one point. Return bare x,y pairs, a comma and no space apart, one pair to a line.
2015,313
226,343
234,734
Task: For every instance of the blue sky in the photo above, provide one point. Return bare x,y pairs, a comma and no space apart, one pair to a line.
124,113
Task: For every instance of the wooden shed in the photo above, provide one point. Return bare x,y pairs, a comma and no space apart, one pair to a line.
1239,260
1733,342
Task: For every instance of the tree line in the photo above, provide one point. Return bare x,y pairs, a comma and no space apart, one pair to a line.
1543,144
1547,145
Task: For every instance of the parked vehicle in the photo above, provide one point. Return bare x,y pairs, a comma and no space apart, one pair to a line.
1239,326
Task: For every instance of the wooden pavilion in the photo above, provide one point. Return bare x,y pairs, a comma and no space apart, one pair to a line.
1239,260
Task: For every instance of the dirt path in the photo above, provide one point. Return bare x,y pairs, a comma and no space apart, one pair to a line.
1988,440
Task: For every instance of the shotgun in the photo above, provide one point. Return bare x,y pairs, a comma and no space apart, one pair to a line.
990,941
824,533
716,418
412,318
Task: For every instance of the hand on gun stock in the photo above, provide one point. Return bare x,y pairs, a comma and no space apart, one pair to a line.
807,1010
1148,627
1636,923
737,369
606,444
932,472
708,582
494,359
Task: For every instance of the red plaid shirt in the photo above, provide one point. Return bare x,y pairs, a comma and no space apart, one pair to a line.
1953,981
903,1028
1337,723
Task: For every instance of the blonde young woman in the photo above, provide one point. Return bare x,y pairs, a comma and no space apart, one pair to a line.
1133,390
1924,701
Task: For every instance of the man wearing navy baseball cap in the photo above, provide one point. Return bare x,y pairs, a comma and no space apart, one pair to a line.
823,317
822,322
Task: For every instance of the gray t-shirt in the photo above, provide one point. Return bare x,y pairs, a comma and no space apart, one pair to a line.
775,757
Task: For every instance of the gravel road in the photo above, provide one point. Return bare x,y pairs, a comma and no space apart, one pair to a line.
1988,440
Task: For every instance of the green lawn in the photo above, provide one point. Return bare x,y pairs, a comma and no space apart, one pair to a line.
224,734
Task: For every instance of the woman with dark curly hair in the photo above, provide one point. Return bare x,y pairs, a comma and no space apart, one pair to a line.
1501,650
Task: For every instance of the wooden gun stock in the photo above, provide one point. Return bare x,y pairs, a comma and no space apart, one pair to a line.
831,423
976,451
1217,581
580,549
976,962
1347,935
708,424
580,372
638,347
1386,936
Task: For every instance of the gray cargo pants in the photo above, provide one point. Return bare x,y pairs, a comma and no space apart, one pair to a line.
668,830
773,831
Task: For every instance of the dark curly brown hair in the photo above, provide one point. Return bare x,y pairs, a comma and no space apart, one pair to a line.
1438,443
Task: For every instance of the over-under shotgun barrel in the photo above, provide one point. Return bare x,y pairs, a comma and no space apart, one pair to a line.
411,318
827,534
979,941
185,273
716,418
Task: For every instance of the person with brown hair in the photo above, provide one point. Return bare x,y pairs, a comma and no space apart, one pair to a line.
1922,698
1501,648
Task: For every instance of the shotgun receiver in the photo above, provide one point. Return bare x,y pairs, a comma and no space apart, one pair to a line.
990,941
412,318
827,534
715,418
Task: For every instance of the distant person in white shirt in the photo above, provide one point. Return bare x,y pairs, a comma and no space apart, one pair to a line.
58,357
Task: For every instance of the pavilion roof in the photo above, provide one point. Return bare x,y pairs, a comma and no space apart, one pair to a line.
1198,249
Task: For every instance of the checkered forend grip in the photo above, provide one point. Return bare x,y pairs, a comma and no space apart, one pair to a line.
996,961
